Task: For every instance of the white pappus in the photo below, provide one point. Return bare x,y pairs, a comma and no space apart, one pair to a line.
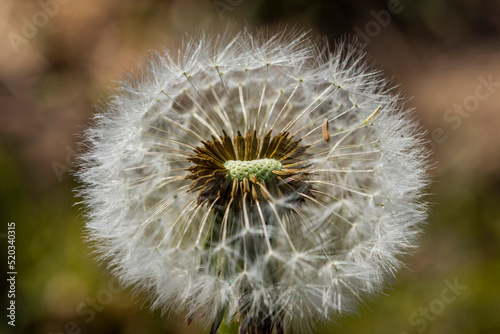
255,179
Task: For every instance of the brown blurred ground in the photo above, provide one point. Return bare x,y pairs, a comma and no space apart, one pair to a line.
50,82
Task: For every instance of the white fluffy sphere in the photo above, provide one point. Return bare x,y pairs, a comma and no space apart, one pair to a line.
254,178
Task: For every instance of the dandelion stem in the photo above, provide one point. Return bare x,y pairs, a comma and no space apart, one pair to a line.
229,328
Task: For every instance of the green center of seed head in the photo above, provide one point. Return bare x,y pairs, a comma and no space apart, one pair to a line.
262,169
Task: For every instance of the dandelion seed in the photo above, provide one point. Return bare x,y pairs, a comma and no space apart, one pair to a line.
326,132
254,179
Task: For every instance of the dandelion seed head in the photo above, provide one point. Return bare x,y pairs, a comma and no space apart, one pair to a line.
255,178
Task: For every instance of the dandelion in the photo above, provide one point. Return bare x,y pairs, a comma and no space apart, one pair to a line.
257,180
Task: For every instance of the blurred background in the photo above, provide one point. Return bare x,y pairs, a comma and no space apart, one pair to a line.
60,58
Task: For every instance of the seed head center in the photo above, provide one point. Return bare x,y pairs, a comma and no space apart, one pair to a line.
262,169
